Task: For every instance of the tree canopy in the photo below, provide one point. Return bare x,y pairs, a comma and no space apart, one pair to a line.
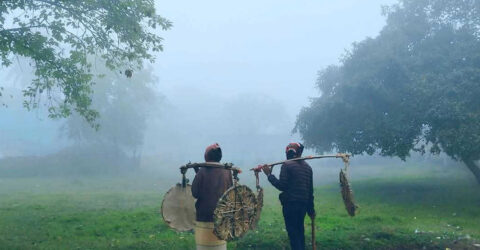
58,36
415,86
124,105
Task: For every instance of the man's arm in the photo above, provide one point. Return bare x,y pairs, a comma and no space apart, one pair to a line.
230,179
281,184
196,185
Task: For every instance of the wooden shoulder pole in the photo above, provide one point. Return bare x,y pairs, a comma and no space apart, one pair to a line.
343,156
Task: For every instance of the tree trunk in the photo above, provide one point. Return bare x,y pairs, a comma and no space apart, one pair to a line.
474,168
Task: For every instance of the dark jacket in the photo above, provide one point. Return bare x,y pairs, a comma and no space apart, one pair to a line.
207,187
296,183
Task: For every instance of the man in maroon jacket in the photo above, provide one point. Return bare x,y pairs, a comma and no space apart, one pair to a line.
296,184
207,187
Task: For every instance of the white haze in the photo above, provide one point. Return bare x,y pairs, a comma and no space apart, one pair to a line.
236,73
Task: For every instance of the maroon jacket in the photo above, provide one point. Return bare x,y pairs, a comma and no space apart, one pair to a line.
207,187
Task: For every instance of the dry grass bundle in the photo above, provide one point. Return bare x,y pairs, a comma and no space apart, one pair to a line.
347,193
259,207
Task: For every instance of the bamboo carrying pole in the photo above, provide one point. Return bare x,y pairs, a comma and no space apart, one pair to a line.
343,156
228,166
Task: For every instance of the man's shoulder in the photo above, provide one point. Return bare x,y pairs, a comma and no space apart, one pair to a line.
295,163
212,170
305,163
288,164
201,171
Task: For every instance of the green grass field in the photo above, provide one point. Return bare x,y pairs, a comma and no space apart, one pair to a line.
123,213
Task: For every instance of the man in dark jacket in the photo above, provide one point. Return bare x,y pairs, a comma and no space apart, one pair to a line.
296,184
207,187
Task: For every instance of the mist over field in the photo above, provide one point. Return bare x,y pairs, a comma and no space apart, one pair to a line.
93,130
219,80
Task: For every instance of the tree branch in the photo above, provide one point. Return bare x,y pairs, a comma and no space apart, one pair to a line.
21,28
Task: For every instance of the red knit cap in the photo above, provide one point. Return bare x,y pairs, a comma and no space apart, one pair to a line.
213,153
296,147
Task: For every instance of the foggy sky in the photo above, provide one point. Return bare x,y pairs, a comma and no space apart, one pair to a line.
223,50
269,47
219,53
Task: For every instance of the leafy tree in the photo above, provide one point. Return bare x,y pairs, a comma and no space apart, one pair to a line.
124,105
58,36
416,86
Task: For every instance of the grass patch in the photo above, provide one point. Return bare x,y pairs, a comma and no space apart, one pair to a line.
395,213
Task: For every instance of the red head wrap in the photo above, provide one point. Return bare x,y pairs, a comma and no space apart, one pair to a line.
296,147
213,153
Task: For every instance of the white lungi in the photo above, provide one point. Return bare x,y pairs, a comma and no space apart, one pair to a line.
206,239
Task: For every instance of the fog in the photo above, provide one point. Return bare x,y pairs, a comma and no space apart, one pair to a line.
225,58
233,73
102,103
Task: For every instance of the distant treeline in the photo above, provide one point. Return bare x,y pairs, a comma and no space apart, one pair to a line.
75,160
